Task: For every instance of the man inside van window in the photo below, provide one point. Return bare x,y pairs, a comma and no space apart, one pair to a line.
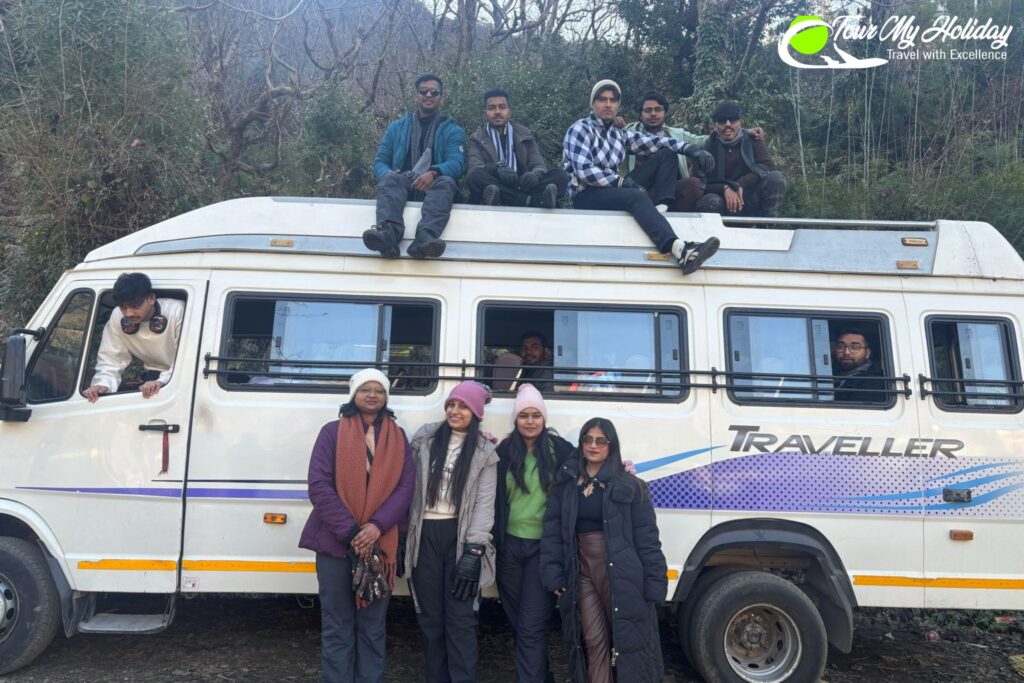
420,158
593,150
504,165
140,326
535,351
856,370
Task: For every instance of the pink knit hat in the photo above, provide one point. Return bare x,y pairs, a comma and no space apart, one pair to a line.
473,394
529,397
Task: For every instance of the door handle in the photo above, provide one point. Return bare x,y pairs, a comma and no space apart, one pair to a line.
957,495
165,455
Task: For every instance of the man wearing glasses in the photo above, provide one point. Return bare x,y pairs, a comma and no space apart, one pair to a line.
744,181
856,372
420,158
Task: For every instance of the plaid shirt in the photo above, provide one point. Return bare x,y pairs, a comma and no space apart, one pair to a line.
592,151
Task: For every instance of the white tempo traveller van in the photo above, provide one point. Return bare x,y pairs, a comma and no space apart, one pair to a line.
785,498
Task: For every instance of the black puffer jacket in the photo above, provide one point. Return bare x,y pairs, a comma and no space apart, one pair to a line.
636,572
501,509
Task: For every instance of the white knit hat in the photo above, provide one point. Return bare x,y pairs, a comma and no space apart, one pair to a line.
368,375
601,85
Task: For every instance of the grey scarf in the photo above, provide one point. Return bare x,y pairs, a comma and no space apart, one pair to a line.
840,380
415,152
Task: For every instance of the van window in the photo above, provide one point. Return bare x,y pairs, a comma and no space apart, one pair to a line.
53,370
809,358
317,343
132,376
580,351
974,362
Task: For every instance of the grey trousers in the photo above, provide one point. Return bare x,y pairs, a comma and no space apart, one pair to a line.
395,190
352,639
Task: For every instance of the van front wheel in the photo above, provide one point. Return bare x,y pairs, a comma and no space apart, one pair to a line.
755,627
29,604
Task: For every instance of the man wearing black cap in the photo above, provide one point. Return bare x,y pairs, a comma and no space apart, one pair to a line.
744,180
592,152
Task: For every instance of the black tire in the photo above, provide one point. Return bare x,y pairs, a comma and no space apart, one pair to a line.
756,627
29,602
700,588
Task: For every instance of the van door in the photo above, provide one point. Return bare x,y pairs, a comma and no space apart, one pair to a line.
105,477
973,434
787,447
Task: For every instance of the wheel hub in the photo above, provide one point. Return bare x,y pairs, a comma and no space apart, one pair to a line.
8,607
762,644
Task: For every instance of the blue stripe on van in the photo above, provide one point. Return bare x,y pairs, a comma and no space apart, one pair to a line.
669,459
251,494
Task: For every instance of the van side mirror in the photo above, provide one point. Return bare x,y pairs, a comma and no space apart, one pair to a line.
12,381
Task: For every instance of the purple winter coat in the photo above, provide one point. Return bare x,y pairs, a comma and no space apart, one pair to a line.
331,526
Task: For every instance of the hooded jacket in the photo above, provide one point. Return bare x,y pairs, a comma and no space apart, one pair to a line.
449,141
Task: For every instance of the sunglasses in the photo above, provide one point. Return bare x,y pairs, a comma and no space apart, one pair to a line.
429,93
735,120
592,441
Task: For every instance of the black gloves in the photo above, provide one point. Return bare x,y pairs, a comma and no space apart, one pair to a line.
467,572
626,181
528,181
368,580
702,159
507,176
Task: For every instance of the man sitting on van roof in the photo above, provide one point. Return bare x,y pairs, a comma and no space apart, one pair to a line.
141,326
504,165
855,370
744,180
419,159
592,152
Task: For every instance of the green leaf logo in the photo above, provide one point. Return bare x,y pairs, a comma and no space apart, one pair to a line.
810,41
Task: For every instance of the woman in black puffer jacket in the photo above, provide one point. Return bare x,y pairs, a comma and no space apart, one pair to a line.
601,555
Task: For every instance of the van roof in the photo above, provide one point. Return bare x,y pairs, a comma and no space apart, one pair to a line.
476,233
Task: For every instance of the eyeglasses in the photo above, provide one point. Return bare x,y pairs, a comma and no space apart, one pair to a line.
592,441
428,93
372,391
653,110
843,346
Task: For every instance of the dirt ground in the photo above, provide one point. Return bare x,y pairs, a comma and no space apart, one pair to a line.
274,639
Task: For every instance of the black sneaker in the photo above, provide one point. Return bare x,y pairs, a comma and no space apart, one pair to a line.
696,253
492,195
549,196
382,240
426,246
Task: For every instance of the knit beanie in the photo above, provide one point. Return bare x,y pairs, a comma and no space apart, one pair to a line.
601,85
529,397
368,375
473,394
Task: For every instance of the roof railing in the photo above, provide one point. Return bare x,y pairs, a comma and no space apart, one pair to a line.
829,223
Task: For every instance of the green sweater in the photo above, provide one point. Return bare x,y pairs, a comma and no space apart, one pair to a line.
526,510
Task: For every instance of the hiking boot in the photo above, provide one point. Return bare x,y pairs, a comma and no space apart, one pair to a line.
426,246
380,239
549,196
696,253
492,195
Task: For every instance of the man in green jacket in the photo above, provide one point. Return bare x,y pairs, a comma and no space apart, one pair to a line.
495,175
420,158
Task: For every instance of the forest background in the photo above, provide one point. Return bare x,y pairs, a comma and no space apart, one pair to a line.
117,114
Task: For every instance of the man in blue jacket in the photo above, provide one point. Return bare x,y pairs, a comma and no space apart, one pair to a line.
420,158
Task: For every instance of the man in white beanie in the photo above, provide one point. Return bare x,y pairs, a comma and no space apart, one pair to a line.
592,152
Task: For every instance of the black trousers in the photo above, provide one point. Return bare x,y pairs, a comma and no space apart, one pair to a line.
658,175
527,605
763,199
395,190
635,201
352,639
448,625
479,177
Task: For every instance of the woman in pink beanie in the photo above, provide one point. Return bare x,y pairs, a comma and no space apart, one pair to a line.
449,555
529,458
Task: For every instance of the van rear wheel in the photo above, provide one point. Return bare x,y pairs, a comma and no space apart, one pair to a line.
29,604
755,627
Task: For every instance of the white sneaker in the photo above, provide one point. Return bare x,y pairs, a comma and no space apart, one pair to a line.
662,208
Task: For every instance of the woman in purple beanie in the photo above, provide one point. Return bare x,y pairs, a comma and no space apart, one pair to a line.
449,555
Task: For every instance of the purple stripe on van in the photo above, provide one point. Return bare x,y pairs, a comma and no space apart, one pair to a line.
116,491
260,494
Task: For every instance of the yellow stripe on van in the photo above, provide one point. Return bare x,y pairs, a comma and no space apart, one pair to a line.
248,566
911,582
130,565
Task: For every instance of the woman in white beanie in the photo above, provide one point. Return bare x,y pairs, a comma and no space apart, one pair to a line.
529,458
361,480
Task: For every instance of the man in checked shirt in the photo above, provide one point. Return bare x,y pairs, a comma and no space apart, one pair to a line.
592,152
